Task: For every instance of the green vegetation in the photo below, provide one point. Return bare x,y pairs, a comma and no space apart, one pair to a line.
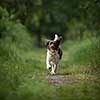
86,52
24,25
74,19
23,72
83,55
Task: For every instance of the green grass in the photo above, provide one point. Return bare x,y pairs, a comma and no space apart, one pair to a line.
25,79
23,70
82,56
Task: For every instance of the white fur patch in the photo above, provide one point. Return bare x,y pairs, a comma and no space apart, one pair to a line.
52,61
56,37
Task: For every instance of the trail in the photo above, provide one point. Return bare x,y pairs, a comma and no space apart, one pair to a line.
69,79
61,80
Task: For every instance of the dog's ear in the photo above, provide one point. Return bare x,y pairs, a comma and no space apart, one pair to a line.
60,38
47,42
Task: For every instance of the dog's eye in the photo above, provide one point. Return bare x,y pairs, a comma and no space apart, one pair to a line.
51,43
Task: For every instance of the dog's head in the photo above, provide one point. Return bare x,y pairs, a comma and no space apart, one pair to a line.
53,45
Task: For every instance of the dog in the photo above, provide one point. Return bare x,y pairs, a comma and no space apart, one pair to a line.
54,54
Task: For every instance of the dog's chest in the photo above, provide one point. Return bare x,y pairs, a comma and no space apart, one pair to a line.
52,57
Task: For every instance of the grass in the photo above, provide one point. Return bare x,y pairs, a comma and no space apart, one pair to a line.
23,74
83,56
25,79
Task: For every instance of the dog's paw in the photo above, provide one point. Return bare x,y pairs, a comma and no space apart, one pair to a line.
52,73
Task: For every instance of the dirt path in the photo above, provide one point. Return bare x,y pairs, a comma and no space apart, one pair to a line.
65,79
61,80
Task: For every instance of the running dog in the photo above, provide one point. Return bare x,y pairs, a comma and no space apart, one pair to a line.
54,54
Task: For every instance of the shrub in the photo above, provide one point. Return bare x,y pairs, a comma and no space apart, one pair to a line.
15,42
85,53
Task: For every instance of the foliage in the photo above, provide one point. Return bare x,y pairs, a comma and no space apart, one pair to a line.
13,32
22,67
45,17
83,55
26,79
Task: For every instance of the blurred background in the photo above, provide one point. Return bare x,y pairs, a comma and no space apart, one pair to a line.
24,26
73,19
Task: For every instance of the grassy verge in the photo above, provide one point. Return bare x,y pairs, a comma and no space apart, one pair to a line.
23,73
83,56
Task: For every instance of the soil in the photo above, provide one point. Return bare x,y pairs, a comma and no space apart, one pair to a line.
62,79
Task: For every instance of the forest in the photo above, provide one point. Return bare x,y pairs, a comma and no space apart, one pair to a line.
25,25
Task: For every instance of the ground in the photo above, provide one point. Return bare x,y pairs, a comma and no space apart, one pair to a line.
68,79
28,79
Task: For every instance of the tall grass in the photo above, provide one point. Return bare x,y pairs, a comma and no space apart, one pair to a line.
23,75
15,42
83,55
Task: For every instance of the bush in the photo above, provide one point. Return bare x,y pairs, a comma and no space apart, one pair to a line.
15,42
85,53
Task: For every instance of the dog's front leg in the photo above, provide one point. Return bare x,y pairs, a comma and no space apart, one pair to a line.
48,62
48,65
54,69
